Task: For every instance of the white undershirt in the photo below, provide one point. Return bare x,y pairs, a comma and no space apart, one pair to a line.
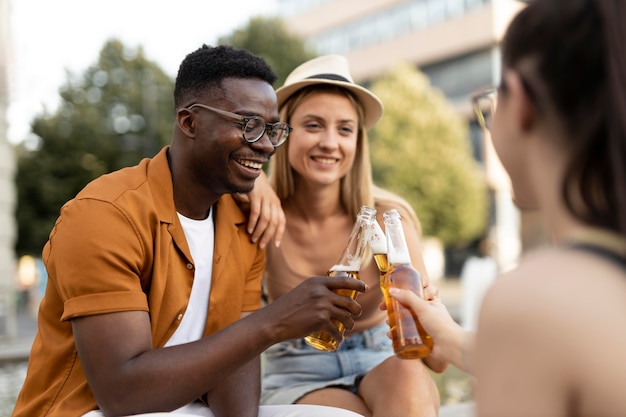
200,236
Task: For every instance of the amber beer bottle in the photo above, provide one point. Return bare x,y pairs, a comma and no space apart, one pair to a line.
410,341
378,243
349,264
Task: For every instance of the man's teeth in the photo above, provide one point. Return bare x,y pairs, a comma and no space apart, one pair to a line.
251,164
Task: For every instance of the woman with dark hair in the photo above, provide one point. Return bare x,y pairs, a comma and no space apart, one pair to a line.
550,338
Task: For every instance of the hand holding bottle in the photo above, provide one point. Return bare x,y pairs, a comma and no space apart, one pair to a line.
348,265
311,306
410,340
451,342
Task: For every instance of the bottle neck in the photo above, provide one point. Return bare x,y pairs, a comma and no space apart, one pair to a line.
354,252
397,248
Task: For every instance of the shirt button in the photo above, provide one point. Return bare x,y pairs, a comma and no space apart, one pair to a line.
190,266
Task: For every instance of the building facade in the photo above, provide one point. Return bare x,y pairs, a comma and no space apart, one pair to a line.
7,188
454,42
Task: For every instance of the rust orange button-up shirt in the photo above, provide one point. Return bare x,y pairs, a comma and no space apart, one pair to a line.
119,246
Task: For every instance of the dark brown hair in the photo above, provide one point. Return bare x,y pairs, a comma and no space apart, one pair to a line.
572,54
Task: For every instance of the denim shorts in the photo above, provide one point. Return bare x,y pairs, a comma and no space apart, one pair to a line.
293,369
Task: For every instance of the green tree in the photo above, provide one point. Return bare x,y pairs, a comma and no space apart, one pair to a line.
421,150
116,113
270,39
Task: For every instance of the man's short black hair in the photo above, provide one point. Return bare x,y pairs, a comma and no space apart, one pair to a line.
207,66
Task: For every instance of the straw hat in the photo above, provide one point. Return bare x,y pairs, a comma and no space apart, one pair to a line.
334,70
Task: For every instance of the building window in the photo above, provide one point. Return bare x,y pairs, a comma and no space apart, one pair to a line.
460,76
391,23
291,8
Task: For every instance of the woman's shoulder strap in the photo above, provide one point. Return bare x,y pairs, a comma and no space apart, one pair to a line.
600,251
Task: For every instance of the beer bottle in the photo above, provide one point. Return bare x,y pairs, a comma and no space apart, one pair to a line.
378,243
410,341
349,264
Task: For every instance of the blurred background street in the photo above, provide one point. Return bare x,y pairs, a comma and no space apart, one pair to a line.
14,359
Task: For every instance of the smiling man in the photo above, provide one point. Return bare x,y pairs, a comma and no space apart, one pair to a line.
153,299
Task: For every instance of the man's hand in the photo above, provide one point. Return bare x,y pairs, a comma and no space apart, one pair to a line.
266,217
311,307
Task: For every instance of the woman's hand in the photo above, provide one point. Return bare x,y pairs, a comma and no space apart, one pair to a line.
266,216
449,338
431,291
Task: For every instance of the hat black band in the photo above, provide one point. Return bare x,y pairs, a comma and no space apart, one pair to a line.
333,77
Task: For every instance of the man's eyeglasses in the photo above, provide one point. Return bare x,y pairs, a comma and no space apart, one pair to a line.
254,127
484,104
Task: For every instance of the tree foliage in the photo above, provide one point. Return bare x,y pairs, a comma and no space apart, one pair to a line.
116,113
270,39
421,150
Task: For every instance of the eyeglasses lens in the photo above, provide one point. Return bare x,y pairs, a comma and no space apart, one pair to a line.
255,127
279,133
484,107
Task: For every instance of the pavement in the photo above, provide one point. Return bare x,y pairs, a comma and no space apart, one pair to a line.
17,349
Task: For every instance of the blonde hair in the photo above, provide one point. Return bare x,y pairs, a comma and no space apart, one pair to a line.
357,187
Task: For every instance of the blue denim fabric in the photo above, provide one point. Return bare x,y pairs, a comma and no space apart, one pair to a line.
292,369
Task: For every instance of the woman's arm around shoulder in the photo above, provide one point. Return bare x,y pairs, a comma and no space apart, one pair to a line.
266,218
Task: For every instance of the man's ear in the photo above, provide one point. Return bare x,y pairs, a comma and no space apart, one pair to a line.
525,111
185,119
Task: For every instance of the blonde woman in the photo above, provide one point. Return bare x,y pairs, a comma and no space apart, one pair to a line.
322,177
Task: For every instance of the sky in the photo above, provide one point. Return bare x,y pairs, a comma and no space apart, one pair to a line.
52,37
